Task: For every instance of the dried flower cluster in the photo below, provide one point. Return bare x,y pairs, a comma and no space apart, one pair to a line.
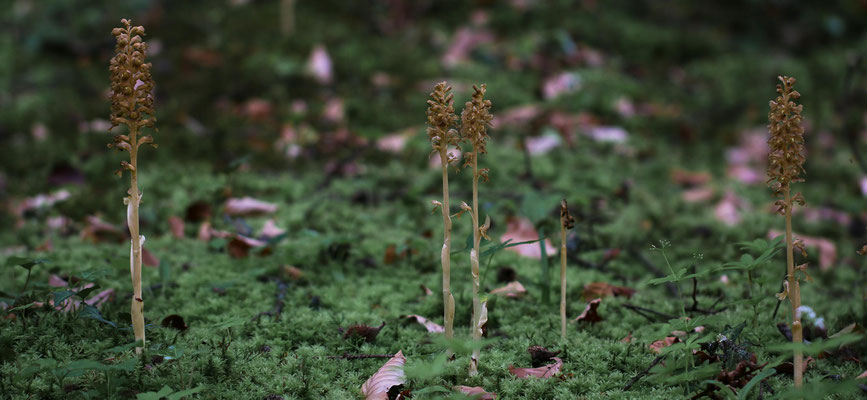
132,101
475,120
786,143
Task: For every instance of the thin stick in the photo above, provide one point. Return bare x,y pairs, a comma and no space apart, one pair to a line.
474,265
566,222
445,256
137,308
346,356
643,373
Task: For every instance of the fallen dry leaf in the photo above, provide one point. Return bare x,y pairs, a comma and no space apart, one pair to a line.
464,42
248,206
176,226
270,230
99,231
604,289
658,345
862,376
395,142
698,195
391,374
728,210
608,134
368,333
174,321
476,392
537,145
540,355
431,326
198,211
863,251
546,371
425,290
148,258
690,178
627,339
239,246
562,83
513,290
520,229
827,249
291,272
589,314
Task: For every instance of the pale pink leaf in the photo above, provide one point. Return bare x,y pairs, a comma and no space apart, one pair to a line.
176,225
608,134
514,290
545,371
56,281
270,229
564,82
391,374
520,229
537,145
319,65
476,392
431,326
827,249
248,206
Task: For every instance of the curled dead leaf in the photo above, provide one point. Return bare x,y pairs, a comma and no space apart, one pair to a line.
513,290
389,375
248,206
658,345
431,326
546,371
368,333
520,229
476,392
604,289
174,321
540,355
589,314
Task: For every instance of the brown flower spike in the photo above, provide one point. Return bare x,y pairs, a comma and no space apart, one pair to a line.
441,119
785,164
475,120
132,104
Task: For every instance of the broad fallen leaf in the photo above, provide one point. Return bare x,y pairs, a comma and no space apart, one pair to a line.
148,258
248,206
627,339
239,246
476,392
546,371
562,83
690,178
537,145
428,324
174,321
465,40
698,195
270,230
862,376
604,289
608,134
99,231
520,229
589,314
513,290
391,374
658,345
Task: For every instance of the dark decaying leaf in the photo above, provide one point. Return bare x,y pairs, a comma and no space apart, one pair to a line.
589,314
540,355
148,258
368,333
174,321
604,289
198,211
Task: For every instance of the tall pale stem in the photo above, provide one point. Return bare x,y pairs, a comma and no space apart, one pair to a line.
794,294
474,265
448,299
562,279
137,309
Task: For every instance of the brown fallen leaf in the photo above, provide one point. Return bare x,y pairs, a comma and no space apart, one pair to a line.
99,231
520,229
476,392
540,355
239,246
428,324
389,375
176,226
627,339
513,290
425,291
863,251
546,371
174,321
248,206
589,314
690,178
368,333
658,345
788,368
148,258
291,272
604,289
198,211
862,376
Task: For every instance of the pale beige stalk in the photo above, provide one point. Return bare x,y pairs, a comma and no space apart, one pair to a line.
136,241
794,295
474,266
445,256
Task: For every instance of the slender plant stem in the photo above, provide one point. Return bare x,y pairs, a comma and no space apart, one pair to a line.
562,279
794,294
474,265
445,256
137,308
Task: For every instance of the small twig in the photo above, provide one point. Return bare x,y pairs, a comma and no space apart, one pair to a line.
642,373
275,312
347,356
639,310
